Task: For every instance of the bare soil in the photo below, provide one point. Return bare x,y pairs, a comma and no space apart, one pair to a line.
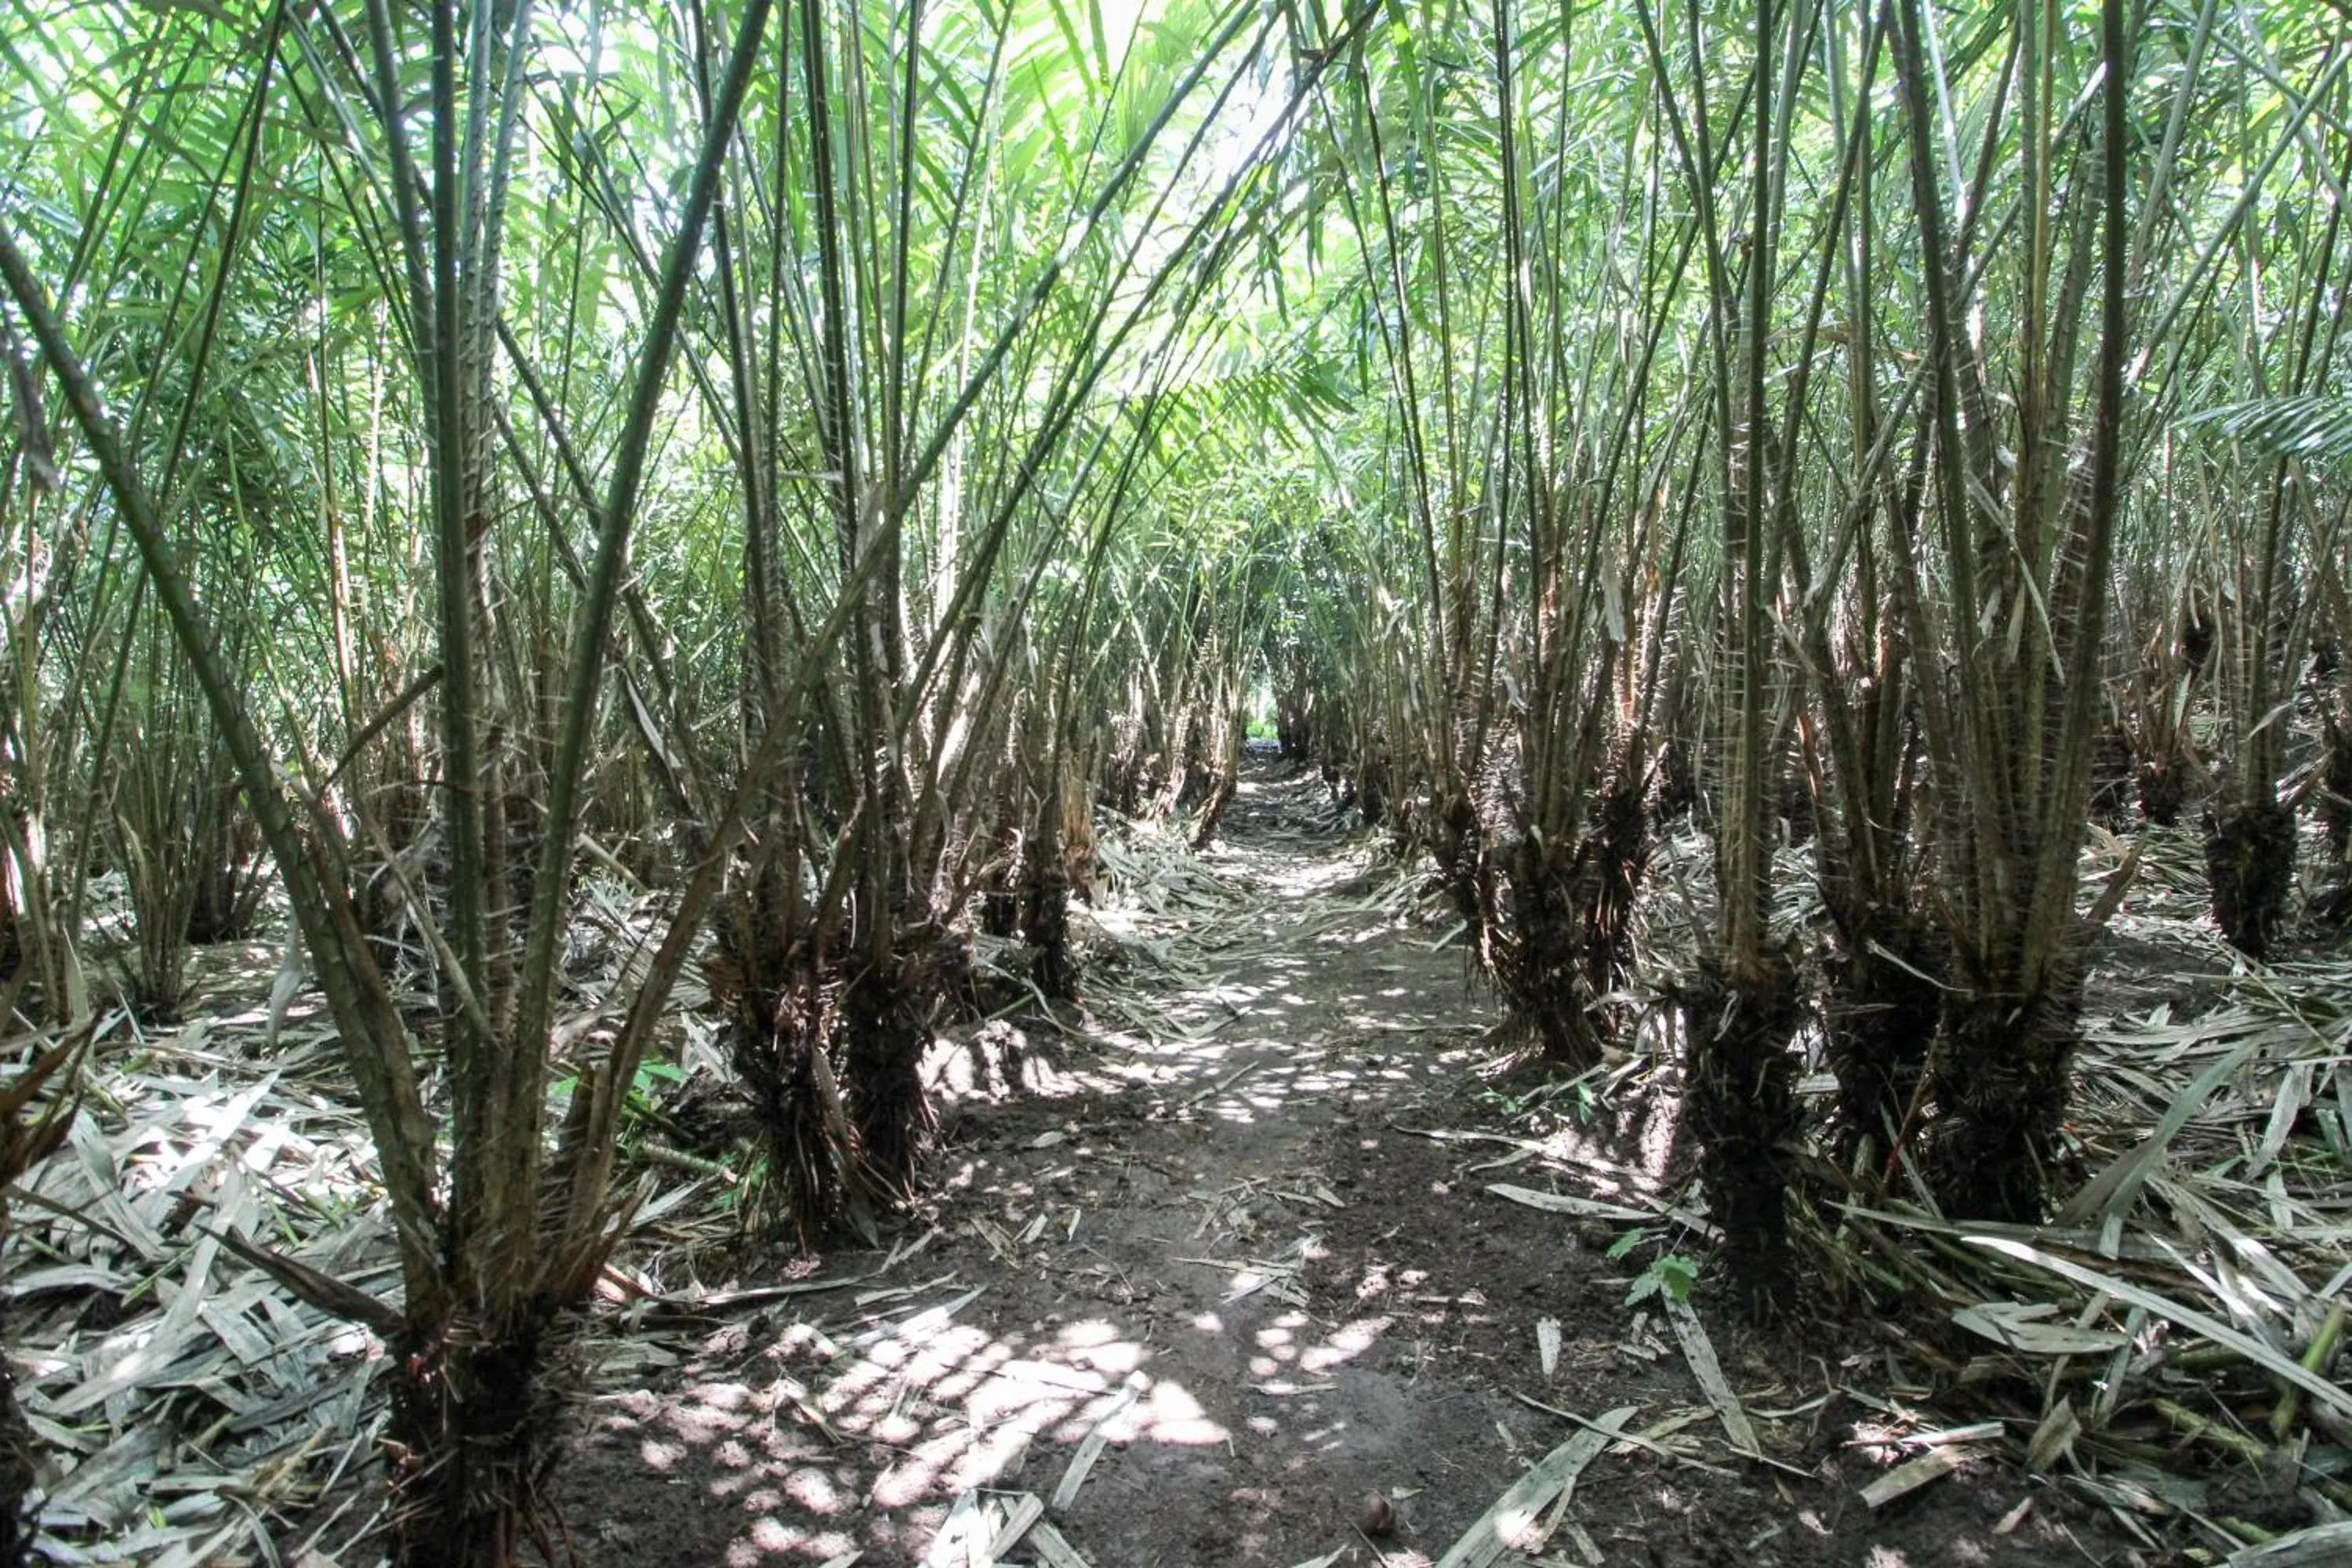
1256,1250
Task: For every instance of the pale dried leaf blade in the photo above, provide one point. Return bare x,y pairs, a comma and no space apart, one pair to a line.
1027,1509
951,1547
2053,1439
1090,1447
1906,1479
2319,1546
2111,1192
151,1360
1054,1550
2018,1327
1699,1352
1567,1204
1521,1506
2189,1318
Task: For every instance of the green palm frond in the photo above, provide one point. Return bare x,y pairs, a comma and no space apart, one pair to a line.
2312,424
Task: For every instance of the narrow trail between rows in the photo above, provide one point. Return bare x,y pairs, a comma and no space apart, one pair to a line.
1220,1281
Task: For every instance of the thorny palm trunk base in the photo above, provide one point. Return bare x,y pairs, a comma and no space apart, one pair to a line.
2334,904
2250,866
2002,1086
778,1037
473,1434
1741,1113
2335,787
887,1023
1045,920
1571,932
1541,973
1882,1013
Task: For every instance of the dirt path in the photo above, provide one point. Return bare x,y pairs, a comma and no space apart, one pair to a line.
1248,1242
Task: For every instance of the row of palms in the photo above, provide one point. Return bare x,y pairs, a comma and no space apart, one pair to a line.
729,441
1901,413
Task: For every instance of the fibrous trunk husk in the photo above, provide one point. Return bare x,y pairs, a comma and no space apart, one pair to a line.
1543,968
1045,919
474,1430
229,866
1883,1006
1740,1110
1461,850
2001,1089
1571,927
2250,867
2164,784
1678,794
999,903
885,1017
1221,776
1371,785
2114,776
2333,905
1611,863
779,998
776,1037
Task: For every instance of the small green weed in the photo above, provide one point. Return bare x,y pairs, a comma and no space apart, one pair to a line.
1669,1275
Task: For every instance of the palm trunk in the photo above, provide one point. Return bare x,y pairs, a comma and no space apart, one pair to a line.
2012,730
1740,1112
1741,1009
474,1429
2250,866
2002,1087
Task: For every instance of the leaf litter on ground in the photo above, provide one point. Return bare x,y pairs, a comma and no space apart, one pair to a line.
2181,1317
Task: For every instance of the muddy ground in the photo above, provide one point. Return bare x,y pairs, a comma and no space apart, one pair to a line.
1253,1246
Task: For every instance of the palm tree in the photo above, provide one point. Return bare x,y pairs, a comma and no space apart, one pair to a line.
2009,714
493,1261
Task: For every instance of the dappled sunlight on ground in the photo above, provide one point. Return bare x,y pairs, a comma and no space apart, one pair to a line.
1253,1046
813,1431
1278,1003
1277,1224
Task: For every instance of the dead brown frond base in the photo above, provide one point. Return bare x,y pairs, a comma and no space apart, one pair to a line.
1542,967
777,1040
2165,785
1610,865
1677,795
1370,785
886,1023
1568,942
1465,867
2335,786
2114,771
1045,925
